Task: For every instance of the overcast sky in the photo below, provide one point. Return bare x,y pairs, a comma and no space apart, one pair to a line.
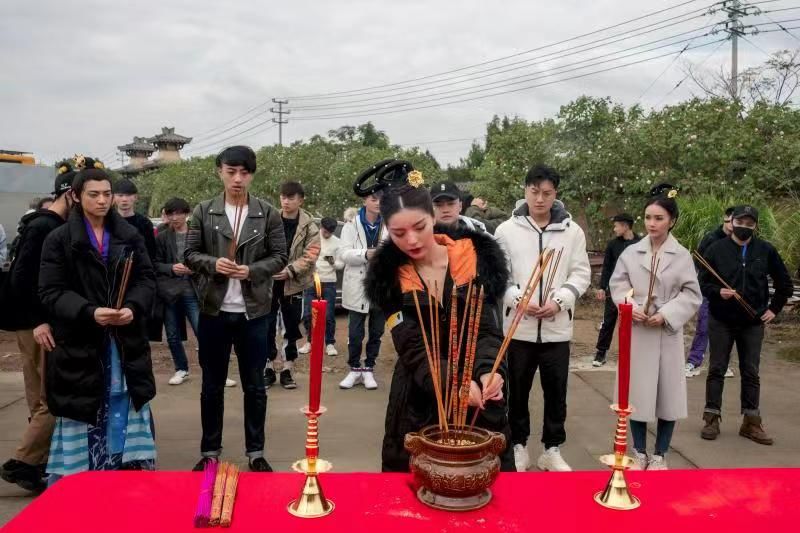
86,76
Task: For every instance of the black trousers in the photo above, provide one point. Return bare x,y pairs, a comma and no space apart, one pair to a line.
748,339
607,329
552,361
216,335
291,308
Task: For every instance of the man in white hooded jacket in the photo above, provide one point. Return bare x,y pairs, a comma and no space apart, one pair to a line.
360,238
542,338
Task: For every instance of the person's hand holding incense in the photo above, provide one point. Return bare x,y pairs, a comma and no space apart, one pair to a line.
639,316
475,395
767,317
43,336
226,267
180,269
655,321
727,294
242,272
123,318
532,308
283,275
548,310
492,392
104,316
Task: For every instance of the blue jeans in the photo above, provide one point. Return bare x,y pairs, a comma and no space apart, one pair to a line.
700,342
329,295
249,338
355,337
663,435
185,306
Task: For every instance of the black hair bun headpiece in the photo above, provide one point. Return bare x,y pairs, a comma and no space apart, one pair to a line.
389,173
664,189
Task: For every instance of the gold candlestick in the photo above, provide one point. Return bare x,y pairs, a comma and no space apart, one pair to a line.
312,502
616,494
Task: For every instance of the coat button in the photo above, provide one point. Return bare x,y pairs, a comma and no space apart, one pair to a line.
216,227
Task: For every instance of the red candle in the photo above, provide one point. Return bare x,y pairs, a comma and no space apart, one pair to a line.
318,310
624,363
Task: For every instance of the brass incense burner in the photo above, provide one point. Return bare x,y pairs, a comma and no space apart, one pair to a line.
455,469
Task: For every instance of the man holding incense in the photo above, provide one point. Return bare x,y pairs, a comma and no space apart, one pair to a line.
235,245
541,341
303,246
97,283
739,308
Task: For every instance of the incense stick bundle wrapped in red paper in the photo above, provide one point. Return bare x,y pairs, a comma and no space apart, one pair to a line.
231,484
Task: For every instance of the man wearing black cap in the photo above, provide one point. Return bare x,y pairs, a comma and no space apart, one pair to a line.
446,198
747,264
624,237
34,335
125,196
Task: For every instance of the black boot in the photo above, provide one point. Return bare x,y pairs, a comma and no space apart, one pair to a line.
27,476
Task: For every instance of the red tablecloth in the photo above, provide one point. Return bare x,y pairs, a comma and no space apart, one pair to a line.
678,501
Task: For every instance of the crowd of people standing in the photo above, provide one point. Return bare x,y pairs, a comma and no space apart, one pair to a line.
96,283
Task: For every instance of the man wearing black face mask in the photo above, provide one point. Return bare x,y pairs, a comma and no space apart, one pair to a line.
746,263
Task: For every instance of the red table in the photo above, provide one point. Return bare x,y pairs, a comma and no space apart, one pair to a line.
678,501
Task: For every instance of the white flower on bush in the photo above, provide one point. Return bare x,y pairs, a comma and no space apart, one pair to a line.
618,130
693,137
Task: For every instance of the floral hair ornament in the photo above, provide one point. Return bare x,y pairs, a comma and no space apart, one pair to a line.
673,193
415,179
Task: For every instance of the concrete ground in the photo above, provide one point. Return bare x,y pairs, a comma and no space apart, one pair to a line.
352,429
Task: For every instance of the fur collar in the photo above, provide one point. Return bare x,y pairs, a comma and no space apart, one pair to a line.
382,283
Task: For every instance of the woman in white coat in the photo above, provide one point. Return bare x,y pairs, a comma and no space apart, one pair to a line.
658,380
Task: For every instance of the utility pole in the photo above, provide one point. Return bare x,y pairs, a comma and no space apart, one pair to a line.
280,121
735,28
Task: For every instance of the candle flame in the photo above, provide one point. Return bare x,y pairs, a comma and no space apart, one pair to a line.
318,286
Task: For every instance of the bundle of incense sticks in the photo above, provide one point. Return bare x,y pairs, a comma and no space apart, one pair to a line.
219,493
655,261
551,275
747,307
522,305
202,516
231,484
126,277
437,389
237,225
460,418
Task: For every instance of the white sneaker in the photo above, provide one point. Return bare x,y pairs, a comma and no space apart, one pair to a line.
179,377
691,370
521,458
551,461
369,380
657,462
331,350
353,378
305,349
639,461
230,383
729,373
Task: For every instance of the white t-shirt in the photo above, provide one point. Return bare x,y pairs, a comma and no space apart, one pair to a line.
234,301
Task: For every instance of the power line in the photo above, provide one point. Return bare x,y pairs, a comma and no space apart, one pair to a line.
568,53
565,52
498,93
280,120
524,52
714,51
237,121
521,79
669,66
234,136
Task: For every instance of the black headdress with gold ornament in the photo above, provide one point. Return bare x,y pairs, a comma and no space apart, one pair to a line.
388,174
